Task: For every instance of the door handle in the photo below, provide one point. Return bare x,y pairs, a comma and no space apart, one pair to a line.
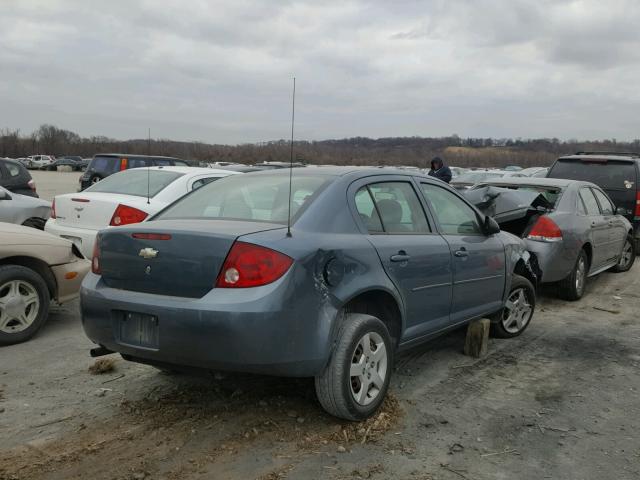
461,253
401,256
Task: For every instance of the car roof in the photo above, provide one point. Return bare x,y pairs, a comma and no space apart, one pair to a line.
542,182
601,156
185,170
134,155
334,171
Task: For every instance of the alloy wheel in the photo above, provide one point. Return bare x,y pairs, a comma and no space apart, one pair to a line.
581,272
626,256
19,306
517,311
368,369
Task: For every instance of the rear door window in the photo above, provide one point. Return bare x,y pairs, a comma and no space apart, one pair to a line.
398,208
138,162
606,207
14,170
590,202
611,174
162,162
367,211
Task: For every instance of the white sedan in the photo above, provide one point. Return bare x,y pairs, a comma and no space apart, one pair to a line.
126,197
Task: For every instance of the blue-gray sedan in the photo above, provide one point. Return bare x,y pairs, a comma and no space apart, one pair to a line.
375,261
571,226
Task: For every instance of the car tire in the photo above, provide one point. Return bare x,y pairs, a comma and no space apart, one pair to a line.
627,257
95,179
357,397
24,303
35,222
515,316
573,286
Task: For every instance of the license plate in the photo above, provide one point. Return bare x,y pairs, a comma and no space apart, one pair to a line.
139,329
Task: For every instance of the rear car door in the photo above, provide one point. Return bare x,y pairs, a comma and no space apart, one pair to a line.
478,259
617,228
599,227
416,258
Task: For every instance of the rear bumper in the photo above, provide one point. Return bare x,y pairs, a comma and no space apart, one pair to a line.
244,330
83,238
554,259
69,288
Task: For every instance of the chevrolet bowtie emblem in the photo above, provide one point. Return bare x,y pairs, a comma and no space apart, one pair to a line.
148,253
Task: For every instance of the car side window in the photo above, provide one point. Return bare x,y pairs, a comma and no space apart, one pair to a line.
590,202
606,207
367,211
454,215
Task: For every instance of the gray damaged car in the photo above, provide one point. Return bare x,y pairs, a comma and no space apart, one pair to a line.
375,261
572,227
23,209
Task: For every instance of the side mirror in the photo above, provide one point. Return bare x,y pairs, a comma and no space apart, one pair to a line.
621,211
490,226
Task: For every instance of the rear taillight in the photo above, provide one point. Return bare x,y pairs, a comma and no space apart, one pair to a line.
32,185
123,164
637,210
545,230
53,209
125,215
95,258
249,265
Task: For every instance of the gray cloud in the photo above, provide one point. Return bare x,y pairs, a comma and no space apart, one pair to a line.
221,71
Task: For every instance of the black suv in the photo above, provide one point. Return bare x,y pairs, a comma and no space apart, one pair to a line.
16,178
616,173
105,164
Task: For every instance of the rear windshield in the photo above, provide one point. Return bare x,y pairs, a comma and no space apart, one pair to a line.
475,177
255,197
136,182
612,174
104,164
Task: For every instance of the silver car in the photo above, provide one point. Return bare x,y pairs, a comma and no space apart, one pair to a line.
571,226
23,210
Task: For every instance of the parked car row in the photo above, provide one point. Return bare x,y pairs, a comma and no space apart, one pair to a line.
327,275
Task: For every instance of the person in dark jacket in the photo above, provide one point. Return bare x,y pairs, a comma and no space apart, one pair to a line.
440,170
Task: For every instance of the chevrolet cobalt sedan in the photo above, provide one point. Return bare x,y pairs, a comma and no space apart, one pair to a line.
375,261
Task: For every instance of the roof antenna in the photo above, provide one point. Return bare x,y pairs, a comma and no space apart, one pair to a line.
149,168
293,117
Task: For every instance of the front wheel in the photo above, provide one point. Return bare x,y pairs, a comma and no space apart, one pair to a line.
516,315
354,383
24,303
627,256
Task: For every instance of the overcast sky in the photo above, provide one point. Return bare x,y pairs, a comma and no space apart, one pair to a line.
220,71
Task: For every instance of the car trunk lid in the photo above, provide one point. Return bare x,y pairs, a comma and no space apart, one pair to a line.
92,210
170,257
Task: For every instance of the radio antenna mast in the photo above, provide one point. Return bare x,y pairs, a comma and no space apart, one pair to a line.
148,166
293,118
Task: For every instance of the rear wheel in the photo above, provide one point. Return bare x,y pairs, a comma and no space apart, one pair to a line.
355,382
516,315
35,223
24,303
627,257
573,286
95,179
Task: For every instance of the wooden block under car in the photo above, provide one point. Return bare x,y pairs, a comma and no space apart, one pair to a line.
477,342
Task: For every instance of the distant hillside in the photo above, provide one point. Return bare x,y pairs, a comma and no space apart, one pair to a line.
416,151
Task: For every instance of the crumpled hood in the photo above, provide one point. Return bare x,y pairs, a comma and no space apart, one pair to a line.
11,234
506,204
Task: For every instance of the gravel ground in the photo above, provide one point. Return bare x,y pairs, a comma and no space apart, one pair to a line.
559,402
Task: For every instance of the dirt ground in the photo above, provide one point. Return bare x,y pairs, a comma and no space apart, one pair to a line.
561,401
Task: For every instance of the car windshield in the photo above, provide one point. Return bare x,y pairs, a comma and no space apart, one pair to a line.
256,197
475,177
612,174
138,182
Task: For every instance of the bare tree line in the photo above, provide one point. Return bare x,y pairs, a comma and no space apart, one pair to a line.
412,151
